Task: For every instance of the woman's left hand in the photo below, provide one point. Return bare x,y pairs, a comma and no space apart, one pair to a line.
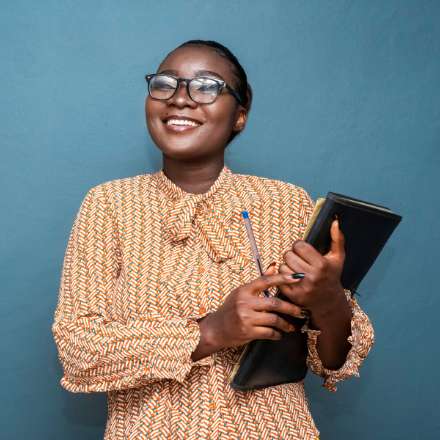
320,291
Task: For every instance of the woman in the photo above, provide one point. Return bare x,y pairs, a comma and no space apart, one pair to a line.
159,292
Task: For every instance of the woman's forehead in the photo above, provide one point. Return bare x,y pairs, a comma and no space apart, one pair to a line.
190,61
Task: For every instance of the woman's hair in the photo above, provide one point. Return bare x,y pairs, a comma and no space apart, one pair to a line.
243,88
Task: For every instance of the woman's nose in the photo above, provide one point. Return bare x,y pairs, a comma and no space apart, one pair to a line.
181,98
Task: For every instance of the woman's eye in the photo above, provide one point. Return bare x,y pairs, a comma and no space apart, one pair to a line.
164,86
206,87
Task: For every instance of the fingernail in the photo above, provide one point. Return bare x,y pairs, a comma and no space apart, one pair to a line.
291,328
298,275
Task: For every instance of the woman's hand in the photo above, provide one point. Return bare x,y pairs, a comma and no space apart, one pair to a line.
320,291
245,316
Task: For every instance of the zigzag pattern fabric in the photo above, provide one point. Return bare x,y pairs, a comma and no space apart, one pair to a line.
144,261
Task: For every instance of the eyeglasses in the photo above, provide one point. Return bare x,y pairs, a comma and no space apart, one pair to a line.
202,89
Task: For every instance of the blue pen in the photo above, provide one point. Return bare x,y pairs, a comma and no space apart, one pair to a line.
254,248
257,259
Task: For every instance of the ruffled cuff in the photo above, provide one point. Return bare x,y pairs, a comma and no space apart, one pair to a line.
361,340
192,322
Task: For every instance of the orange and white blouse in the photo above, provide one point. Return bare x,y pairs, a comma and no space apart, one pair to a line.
144,260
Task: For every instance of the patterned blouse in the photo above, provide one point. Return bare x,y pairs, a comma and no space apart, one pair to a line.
144,261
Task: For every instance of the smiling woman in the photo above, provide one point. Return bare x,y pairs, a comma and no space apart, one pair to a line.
159,293
219,117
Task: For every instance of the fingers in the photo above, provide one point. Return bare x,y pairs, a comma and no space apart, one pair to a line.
337,245
285,269
271,269
306,251
274,304
296,263
267,333
272,320
265,281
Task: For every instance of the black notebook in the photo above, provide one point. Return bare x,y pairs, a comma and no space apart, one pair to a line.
366,227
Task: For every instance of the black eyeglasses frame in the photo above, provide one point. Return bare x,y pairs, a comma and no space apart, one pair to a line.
220,86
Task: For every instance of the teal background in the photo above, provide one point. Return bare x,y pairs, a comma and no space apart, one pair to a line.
358,113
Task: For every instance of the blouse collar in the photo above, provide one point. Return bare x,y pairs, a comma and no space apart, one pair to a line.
211,212
174,192
184,208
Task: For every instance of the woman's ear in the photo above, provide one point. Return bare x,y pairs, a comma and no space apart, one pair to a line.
240,122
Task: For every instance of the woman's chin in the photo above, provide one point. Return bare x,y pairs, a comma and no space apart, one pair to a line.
181,151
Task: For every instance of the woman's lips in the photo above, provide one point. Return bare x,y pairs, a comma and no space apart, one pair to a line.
181,125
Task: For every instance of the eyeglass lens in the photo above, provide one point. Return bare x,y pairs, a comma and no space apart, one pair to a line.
201,90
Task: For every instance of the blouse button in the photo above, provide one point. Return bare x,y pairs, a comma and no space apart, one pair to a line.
202,310
201,269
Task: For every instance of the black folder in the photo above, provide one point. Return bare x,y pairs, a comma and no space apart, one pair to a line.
366,227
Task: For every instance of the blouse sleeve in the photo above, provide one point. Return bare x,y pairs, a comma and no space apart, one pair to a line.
100,354
361,338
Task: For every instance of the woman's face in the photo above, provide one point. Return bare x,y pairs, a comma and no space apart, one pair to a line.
214,122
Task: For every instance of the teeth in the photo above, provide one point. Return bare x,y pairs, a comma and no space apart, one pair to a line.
182,122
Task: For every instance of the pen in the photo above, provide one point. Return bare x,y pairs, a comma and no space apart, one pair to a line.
257,258
254,248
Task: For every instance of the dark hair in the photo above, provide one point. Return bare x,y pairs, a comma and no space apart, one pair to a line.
243,88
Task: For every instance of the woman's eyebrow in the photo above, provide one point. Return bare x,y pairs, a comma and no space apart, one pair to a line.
172,72
209,73
198,73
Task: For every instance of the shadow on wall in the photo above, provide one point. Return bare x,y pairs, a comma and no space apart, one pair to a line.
374,280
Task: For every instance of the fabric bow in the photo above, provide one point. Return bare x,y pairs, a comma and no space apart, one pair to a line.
215,227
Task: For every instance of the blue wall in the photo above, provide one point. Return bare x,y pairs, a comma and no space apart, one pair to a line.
359,113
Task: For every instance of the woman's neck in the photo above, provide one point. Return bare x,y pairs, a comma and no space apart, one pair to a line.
193,177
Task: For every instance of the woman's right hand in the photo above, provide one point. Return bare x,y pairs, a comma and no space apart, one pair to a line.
245,315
